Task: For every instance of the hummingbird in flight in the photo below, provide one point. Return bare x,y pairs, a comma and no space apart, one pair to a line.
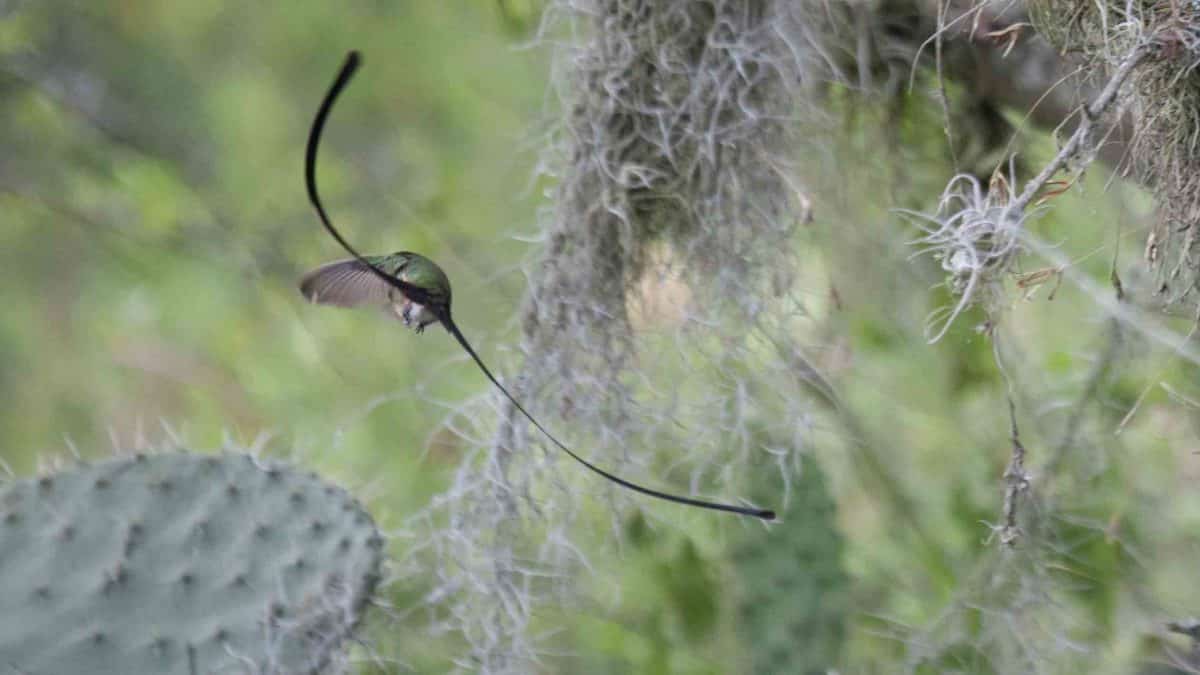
353,283
415,290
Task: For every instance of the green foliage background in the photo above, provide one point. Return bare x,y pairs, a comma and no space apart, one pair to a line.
153,223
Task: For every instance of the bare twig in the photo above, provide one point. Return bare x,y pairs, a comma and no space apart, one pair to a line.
943,96
1016,480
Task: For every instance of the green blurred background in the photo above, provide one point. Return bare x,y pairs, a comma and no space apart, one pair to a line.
156,221
153,223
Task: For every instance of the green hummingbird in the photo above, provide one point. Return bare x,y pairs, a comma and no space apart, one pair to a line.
417,291
353,283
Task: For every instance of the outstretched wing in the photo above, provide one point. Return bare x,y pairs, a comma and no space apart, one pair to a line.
345,283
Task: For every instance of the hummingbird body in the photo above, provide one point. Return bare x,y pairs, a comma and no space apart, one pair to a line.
352,283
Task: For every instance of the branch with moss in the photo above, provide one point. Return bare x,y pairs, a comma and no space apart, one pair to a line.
1080,139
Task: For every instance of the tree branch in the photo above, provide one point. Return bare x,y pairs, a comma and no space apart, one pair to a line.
1091,113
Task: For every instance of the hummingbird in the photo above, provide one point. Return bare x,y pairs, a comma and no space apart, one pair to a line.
416,291
353,283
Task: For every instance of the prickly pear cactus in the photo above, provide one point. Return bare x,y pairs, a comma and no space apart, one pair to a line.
180,564
794,591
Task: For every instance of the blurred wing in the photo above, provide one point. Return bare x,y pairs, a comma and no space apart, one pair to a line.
345,283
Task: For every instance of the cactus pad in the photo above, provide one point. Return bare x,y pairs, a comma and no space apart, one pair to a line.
180,563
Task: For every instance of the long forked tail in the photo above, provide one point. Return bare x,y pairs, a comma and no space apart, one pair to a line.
765,514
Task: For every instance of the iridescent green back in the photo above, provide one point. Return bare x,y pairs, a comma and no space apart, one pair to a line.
420,271
391,263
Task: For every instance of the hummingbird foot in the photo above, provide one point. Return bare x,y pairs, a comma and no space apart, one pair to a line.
420,328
